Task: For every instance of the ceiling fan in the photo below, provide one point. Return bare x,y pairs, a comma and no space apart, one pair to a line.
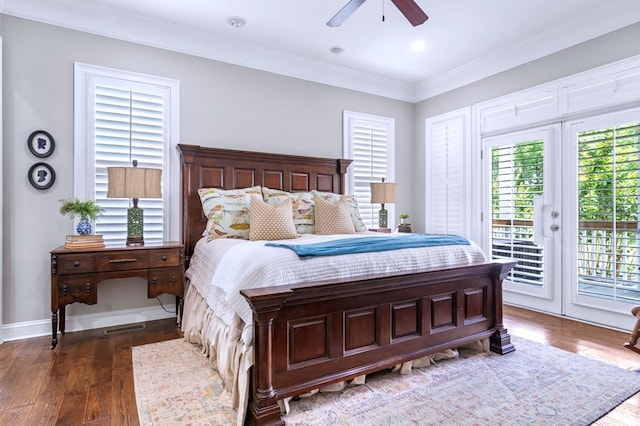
409,9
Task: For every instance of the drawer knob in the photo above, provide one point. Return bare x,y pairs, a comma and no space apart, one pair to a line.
76,263
164,258
87,287
65,290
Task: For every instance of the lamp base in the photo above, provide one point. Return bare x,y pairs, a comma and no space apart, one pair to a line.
134,226
134,241
382,217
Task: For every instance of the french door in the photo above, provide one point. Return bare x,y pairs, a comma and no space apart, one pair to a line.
565,204
523,201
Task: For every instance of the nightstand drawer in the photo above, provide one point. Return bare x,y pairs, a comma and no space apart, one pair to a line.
77,288
164,258
122,260
75,264
165,280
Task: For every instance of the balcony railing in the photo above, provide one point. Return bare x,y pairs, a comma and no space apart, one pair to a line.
608,256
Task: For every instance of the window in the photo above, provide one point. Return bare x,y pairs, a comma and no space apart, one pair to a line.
369,142
121,117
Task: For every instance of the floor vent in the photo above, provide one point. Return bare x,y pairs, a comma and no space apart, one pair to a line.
124,329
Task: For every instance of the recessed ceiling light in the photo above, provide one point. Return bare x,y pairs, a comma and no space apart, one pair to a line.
336,50
236,21
418,46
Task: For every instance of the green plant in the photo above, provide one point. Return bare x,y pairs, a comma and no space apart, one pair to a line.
82,209
404,216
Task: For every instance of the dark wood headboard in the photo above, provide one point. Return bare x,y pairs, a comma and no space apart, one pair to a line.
230,169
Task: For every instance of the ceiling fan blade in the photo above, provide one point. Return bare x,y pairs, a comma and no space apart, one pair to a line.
411,11
345,12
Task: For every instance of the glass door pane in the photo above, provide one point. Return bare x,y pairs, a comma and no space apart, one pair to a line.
607,240
517,178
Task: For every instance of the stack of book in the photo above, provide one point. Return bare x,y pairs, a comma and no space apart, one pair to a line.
84,241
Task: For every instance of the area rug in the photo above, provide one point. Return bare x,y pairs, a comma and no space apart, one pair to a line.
535,385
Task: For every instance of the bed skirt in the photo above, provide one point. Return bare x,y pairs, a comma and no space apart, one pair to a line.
228,355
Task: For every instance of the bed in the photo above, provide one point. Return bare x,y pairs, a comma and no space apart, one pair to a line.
311,334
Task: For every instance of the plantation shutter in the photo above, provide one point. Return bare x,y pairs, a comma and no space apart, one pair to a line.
608,193
517,178
129,125
446,137
371,151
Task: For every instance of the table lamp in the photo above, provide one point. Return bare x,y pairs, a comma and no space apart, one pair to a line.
134,182
383,193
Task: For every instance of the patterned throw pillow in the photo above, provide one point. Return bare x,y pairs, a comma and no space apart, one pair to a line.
333,218
271,222
227,211
353,207
302,207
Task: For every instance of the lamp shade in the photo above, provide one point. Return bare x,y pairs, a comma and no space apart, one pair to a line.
383,192
133,182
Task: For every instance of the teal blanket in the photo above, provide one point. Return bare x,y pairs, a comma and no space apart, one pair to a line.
369,244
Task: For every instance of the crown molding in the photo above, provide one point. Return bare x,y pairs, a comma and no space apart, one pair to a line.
518,53
105,21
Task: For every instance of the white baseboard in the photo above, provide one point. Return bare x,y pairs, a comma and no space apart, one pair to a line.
39,328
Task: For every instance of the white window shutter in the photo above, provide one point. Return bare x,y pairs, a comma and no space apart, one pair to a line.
447,137
369,142
129,125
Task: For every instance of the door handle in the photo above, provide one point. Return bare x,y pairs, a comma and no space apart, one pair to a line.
539,211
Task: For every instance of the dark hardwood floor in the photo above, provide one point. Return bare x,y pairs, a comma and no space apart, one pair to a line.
88,378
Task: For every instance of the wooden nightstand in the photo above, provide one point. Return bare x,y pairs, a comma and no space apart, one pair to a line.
76,273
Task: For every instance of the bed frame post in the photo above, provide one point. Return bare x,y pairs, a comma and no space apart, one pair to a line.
263,405
500,341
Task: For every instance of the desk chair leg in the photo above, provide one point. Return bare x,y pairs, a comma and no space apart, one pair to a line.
635,334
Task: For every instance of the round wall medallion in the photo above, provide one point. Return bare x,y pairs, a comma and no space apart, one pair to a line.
41,143
41,176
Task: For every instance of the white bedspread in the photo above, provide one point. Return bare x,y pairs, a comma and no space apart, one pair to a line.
219,269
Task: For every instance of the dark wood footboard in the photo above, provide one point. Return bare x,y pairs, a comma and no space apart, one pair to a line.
311,335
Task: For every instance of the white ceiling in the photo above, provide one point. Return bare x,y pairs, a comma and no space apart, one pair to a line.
466,40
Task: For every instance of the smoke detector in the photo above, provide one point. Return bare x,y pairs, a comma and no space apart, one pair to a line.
236,21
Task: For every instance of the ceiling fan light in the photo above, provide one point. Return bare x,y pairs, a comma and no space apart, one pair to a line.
418,46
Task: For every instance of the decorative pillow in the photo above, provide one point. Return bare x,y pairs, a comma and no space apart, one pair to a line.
333,218
353,207
302,206
227,211
271,222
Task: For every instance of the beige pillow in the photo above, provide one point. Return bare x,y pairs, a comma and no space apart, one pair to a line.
333,218
302,207
271,222
358,223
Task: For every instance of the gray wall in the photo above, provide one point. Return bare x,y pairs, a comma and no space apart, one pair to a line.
221,106
603,50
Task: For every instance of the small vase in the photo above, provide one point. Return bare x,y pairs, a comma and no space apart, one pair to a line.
84,226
